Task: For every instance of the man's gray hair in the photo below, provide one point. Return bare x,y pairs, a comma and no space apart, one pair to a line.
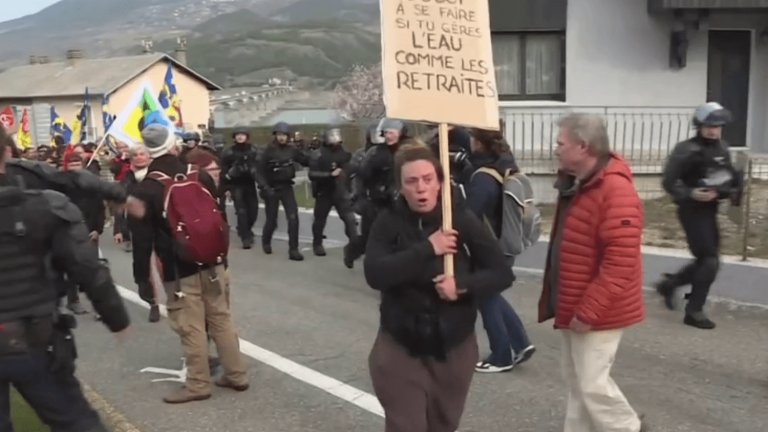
136,148
589,129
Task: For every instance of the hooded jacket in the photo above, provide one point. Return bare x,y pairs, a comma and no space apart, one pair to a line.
600,264
484,192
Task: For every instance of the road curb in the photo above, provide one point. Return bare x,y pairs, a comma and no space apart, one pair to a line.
113,419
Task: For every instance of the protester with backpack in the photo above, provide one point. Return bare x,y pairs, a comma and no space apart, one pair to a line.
487,197
188,232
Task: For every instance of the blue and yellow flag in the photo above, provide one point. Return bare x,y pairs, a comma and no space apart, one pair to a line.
59,127
141,111
107,118
79,131
169,98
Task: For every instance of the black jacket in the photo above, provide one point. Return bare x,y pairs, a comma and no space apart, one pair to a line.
377,173
40,226
321,167
91,205
401,263
239,164
277,165
38,175
154,232
691,163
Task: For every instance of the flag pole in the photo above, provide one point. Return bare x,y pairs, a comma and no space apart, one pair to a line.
98,147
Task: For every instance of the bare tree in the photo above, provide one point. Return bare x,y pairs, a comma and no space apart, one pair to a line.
359,95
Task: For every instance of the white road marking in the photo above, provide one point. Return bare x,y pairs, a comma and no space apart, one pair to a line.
330,385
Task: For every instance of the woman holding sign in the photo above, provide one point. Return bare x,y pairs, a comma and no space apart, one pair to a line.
424,357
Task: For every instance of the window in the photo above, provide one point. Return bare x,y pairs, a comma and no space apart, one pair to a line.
529,66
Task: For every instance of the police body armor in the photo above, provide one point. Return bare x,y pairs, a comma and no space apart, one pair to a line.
25,289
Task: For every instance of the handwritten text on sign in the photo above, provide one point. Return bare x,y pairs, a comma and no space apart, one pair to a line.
438,62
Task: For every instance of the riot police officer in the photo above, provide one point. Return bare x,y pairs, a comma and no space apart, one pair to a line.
326,171
218,141
239,164
699,174
191,141
377,176
277,170
37,351
354,180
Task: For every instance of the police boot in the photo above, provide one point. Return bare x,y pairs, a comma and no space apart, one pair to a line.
698,320
318,249
295,255
666,289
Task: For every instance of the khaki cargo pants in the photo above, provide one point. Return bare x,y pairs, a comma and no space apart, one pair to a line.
205,300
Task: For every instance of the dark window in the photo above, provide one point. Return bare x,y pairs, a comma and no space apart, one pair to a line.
530,66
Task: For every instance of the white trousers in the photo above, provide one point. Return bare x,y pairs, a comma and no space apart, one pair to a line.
595,402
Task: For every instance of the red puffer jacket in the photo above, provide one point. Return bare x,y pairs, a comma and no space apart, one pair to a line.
601,266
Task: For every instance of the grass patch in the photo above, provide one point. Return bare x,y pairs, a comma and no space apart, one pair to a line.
23,417
662,229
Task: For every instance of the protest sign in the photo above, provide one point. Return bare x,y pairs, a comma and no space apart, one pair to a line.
437,62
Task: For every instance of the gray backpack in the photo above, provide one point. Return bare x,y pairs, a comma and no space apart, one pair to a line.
520,218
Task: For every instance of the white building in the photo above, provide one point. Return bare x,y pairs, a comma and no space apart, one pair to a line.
624,59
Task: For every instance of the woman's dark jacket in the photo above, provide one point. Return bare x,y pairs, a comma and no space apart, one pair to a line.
401,263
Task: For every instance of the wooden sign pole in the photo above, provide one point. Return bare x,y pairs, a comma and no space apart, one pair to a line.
447,202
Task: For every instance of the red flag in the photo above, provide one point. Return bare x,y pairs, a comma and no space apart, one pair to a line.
7,119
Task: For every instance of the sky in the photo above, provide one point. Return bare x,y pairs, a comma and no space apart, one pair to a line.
12,9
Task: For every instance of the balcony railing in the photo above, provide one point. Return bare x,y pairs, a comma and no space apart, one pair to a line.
644,136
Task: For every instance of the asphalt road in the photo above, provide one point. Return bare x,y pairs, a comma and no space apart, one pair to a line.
740,282
311,325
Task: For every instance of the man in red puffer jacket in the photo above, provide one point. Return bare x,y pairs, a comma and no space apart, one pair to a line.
594,275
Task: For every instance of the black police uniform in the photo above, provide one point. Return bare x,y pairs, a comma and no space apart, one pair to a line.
37,351
330,192
239,164
277,170
698,163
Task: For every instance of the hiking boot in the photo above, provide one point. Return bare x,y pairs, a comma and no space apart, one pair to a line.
226,383
666,289
319,250
76,308
183,395
247,243
154,313
267,248
348,261
295,255
698,320
525,355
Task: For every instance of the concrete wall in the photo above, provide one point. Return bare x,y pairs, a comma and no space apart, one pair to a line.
617,64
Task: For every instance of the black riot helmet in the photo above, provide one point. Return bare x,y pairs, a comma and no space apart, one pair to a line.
218,141
241,130
282,128
191,136
373,134
333,136
711,114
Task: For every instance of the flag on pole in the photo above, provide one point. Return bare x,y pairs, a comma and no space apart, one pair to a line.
24,139
59,127
107,118
169,98
141,111
79,131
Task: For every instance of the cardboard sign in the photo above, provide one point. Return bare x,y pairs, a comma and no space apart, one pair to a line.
438,62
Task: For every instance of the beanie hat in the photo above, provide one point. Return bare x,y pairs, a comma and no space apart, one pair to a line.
158,139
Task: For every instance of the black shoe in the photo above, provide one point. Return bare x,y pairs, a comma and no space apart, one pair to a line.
154,314
666,289
267,249
348,261
525,355
319,250
295,255
698,320
247,243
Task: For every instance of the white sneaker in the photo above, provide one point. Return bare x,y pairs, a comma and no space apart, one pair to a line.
487,367
525,354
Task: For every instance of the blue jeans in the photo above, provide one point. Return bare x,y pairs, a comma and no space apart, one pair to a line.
504,330
56,398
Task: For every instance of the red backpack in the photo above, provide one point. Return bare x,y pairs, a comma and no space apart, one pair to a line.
197,226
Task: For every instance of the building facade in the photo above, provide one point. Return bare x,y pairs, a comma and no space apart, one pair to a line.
41,85
643,64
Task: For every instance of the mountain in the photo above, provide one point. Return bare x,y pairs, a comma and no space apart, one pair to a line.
233,42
